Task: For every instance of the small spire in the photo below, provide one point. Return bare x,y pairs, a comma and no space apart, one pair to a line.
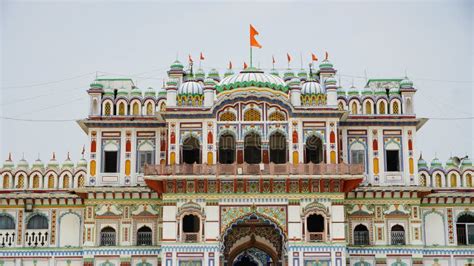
23,156
83,151
54,156
310,70
421,156
9,156
68,158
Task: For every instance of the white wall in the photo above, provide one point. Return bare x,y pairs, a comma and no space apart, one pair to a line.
70,230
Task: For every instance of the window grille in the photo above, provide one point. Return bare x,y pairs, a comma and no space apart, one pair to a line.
227,116
108,109
395,108
51,181
277,116
37,222
144,236
21,181
107,236
252,115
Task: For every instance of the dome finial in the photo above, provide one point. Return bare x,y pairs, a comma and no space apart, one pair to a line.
9,156
68,158
54,156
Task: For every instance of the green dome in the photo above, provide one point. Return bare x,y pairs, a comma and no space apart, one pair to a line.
136,92
53,163
229,72
23,163
172,83
82,163
252,78
122,92
150,92
380,91
176,65
326,64
68,163
38,163
294,82
274,72
465,163
450,163
95,85
422,163
209,82
341,91
109,92
8,162
302,74
367,91
200,75
213,74
394,91
353,91
436,163
288,74
406,83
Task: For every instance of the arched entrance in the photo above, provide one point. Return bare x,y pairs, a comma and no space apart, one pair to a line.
191,150
252,148
278,149
313,150
226,149
253,240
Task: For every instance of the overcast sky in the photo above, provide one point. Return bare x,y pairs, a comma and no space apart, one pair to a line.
51,52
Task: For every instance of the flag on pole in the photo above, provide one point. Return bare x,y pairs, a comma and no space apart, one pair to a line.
190,59
230,64
327,55
253,41
245,65
288,56
201,56
313,57
273,59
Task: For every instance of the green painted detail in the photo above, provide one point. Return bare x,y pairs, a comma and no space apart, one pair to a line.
246,84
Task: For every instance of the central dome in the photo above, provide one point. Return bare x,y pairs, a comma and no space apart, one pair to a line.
252,77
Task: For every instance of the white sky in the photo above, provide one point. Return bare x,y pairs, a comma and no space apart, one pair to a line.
51,41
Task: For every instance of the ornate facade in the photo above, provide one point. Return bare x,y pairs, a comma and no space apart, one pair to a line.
246,168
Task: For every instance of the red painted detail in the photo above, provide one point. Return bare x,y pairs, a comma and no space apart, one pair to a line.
128,146
210,138
173,138
155,185
295,136
375,145
93,146
332,137
410,145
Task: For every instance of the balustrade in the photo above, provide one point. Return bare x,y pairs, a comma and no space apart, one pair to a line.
36,237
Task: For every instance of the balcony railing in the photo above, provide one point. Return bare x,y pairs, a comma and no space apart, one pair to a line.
316,237
191,237
36,238
107,238
398,237
7,238
255,169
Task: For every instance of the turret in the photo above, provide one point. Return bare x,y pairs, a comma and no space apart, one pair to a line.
295,92
331,91
209,92
176,71
95,93
408,94
171,91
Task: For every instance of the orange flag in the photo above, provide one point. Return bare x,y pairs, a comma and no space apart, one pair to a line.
190,59
230,64
245,65
253,41
313,57
327,55
273,59
201,56
288,56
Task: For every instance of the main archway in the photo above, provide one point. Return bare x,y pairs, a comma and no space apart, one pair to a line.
253,240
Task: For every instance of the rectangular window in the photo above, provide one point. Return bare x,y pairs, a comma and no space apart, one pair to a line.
392,158
110,161
144,157
357,156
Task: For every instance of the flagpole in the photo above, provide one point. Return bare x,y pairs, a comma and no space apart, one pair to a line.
250,55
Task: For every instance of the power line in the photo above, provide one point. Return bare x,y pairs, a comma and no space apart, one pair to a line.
45,83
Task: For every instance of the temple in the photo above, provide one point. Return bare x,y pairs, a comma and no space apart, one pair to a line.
246,167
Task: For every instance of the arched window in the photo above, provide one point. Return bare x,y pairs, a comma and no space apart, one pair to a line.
6,222
107,236
145,155
453,180
382,107
368,107
110,159
468,180
315,225
121,109
392,157
20,183
397,234
191,150
6,181
36,181
438,180
465,229
252,115
149,109
354,108
37,222
66,181
278,149
226,149
357,153
144,236
340,106
313,150
252,148
136,108
361,235
191,226
108,109
422,180
227,116
277,116
395,108
81,181
50,181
